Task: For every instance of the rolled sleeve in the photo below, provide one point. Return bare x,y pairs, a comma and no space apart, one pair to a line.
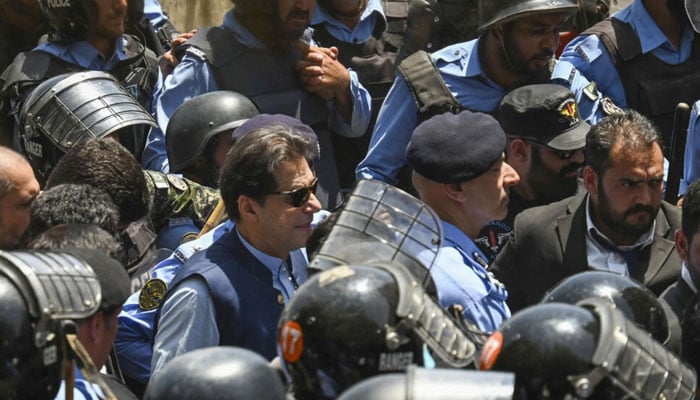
361,111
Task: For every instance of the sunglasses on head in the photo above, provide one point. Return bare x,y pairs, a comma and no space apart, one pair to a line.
297,197
562,154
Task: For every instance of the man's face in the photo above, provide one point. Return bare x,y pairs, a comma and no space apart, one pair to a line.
628,196
295,16
488,193
111,17
15,206
285,227
529,42
689,251
551,177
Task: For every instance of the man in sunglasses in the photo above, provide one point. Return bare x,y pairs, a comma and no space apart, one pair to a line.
546,136
233,292
620,225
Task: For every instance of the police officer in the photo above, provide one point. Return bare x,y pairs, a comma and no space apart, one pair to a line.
589,350
42,294
200,134
459,170
645,57
474,75
85,35
70,108
290,77
367,42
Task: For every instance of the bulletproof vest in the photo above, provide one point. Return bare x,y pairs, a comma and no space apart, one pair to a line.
373,61
247,306
652,87
270,80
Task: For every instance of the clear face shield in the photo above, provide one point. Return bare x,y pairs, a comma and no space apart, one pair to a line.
379,213
80,106
630,364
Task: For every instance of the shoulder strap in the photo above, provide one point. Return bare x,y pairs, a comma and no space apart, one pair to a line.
427,86
618,37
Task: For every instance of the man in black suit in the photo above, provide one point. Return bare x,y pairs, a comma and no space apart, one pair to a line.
621,224
687,238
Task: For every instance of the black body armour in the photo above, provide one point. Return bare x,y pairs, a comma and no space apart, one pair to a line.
373,61
270,80
137,74
652,87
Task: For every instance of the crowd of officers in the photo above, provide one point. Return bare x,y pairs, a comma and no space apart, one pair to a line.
353,199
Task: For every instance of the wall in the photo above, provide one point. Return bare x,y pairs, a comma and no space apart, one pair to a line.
189,14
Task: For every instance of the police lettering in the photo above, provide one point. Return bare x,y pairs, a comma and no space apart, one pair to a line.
58,3
395,361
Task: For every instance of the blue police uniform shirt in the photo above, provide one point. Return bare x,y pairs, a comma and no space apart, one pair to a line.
172,234
360,32
586,59
691,157
461,279
193,76
82,389
135,332
461,70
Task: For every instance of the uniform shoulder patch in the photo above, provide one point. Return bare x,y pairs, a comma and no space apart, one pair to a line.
609,107
152,294
591,91
188,237
177,182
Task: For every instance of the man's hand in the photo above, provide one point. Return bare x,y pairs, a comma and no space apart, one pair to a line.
168,61
320,72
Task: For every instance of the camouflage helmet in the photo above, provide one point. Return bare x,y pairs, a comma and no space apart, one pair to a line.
493,12
199,119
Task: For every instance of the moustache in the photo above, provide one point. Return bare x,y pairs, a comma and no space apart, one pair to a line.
573,167
640,208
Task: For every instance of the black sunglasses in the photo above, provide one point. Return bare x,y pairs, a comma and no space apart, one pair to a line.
297,197
562,154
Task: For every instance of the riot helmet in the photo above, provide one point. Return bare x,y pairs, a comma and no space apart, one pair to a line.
216,373
201,118
633,299
39,294
70,108
563,351
692,9
382,222
492,12
434,384
69,19
355,321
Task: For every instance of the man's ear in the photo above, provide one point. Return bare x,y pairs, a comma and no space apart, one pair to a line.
590,180
454,191
518,151
681,244
247,207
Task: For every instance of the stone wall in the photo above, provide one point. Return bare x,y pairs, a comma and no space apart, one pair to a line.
189,14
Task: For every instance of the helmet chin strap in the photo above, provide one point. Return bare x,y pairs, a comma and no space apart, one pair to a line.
503,49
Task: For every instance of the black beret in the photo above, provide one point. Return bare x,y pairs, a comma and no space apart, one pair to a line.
453,148
265,120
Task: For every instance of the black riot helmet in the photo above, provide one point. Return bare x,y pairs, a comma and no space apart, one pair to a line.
351,322
492,12
71,108
632,298
199,119
216,373
70,20
39,294
589,351
434,384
